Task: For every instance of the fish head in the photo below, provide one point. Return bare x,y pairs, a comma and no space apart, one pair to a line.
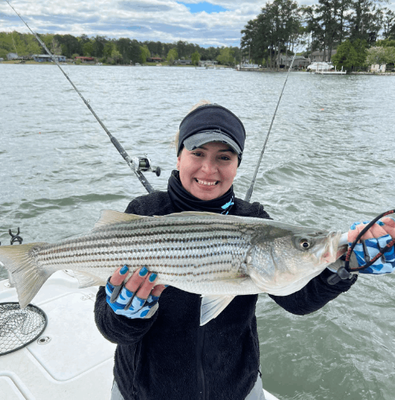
283,259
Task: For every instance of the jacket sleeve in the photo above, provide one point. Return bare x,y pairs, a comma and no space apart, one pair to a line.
314,295
117,328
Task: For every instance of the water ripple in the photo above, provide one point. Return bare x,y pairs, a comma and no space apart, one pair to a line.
329,162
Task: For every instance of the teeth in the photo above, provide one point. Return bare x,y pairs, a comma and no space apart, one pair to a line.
205,183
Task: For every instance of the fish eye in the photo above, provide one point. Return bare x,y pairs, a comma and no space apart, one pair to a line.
305,244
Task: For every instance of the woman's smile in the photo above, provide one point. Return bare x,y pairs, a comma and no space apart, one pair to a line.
208,171
200,182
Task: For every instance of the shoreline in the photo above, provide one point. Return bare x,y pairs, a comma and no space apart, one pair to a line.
30,62
286,70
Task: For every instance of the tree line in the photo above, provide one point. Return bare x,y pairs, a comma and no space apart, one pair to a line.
113,51
283,26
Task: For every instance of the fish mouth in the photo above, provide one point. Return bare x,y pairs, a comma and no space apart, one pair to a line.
206,183
332,248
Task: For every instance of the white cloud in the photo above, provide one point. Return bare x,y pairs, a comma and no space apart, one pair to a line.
158,20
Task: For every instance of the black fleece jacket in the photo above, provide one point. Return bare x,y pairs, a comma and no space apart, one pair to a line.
170,356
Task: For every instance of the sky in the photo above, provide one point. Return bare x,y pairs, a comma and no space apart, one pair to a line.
206,23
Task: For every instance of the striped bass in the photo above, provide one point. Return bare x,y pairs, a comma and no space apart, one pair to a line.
217,256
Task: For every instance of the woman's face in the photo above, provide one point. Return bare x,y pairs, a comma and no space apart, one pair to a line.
208,171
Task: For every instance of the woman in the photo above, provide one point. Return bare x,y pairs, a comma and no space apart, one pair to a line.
163,352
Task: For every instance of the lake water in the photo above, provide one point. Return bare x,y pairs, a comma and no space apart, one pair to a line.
329,162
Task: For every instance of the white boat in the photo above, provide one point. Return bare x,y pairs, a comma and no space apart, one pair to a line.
330,72
69,359
320,66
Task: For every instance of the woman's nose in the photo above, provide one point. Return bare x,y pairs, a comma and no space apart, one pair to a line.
209,166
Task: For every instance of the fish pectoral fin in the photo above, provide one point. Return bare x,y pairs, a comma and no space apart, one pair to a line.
85,279
109,217
212,306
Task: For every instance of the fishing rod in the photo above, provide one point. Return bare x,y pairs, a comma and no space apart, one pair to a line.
251,188
136,165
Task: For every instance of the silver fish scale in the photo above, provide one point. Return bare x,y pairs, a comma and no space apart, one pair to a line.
199,253
178,251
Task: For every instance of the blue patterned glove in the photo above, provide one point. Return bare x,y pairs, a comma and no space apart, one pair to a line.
370,248
123,302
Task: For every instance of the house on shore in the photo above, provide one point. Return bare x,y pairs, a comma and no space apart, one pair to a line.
13,56
48,58
155,59
207,63
318,56
378,67
183,62
86,60
300,62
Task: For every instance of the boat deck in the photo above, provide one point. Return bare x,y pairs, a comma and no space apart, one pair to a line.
71,359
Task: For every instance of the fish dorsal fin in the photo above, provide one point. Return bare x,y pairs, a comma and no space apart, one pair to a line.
212,306
109,217
192,214
205,214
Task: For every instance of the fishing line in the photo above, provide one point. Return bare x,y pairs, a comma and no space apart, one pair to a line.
354,243
345,271
137,166
251,188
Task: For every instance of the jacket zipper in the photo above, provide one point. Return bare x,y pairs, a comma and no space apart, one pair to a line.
200,370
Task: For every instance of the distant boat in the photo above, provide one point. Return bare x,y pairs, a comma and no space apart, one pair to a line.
321,66
330,72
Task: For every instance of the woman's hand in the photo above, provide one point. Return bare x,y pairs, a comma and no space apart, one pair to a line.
138,297
372,242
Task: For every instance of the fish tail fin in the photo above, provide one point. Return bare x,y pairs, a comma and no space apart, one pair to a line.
24,272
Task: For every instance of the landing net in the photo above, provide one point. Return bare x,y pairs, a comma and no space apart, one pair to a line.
19,327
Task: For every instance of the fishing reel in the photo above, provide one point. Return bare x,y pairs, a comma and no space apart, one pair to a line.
144,164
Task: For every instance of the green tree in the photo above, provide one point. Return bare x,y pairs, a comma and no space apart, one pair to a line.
129,49
195,58
182,49
51,43
346,57
172,56
68,45
154,47
272,32
388,23
386,43
109,47
360,47
135,51
32,45
226,56
98,46
326,23
380,55
6,45
116,56
18,44
364,20
87,49
144,54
